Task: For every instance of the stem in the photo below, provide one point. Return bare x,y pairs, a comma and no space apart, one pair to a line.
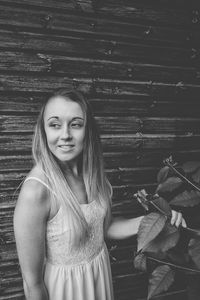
173,265
196,232
182,176
158,208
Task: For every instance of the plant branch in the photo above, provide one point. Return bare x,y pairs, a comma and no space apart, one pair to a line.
182,176
173,265
159,209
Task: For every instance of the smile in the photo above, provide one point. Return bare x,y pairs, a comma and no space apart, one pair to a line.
66,147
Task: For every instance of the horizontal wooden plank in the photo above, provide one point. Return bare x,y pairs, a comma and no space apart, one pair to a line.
91,25
128,124
22,143
79,5
71,66
19,39
147,141
35,83
147,157
16,296
152,12
15,292
169,125
112,105
138,283
16,162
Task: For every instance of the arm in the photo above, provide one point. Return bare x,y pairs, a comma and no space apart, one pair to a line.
30,218
121,228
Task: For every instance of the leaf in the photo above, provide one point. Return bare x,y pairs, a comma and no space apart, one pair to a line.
162,174
190,166
140,262
169,185
194,251
161,205
160,280
167,239
150,226
186,199
196,176
177,257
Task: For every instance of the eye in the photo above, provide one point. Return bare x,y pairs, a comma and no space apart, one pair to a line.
54,125
76,125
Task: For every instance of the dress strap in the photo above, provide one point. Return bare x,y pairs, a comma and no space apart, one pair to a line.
42,182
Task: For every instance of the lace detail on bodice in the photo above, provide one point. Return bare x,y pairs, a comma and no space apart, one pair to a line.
60,236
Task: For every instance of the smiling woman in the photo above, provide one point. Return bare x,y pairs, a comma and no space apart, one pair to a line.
63,213
64,205
64,124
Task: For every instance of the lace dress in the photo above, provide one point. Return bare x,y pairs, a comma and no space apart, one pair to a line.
77,274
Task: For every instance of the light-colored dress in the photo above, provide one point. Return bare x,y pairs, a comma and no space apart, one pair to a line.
81,273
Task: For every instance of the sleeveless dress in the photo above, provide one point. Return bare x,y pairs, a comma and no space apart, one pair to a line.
77,273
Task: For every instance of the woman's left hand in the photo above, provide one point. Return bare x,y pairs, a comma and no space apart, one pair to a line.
177,219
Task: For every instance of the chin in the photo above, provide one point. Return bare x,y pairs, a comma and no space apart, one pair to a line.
67,158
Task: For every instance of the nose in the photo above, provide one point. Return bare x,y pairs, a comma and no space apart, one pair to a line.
66,133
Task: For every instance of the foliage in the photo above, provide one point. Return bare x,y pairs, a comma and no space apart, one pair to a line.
164,249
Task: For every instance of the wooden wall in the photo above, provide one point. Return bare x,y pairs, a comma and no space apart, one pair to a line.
138,63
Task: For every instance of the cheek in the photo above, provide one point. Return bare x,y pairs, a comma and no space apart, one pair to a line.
51,137
82,137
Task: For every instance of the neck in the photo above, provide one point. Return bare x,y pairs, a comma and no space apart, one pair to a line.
70,168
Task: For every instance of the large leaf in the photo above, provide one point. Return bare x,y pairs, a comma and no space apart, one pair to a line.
186,199
162,205
162,174
190,166
194,251
167,239
150,226
178,257
169,185
140,262
196,176
160,280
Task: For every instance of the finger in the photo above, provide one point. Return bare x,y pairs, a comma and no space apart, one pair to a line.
183,223
173,218
178,219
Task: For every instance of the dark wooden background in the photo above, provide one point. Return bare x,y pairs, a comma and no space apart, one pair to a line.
138,63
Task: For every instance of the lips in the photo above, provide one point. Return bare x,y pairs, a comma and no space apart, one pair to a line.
66,147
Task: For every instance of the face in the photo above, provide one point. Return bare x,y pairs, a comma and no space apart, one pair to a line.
64,124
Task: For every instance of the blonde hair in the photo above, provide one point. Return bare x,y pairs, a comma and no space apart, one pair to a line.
90,165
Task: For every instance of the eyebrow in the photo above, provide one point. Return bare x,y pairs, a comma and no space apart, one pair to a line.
75,118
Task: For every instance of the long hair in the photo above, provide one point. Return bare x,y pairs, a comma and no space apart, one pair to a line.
90,164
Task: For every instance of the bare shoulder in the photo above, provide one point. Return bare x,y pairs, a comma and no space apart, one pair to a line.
33,193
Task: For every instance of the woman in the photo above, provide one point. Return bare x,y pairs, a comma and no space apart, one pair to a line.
63,213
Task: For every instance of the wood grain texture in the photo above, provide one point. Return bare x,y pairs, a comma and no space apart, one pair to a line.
138,63
154,12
